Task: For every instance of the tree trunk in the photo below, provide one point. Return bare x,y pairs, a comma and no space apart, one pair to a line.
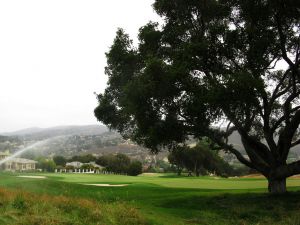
277,186
196,171
179,171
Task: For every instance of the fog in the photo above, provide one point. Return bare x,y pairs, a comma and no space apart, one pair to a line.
52,57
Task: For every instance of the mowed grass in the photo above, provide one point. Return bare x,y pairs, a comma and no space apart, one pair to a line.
148,199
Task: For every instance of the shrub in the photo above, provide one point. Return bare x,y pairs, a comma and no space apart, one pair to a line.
135,168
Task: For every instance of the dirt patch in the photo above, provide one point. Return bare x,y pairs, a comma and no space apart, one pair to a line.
34,177
107,185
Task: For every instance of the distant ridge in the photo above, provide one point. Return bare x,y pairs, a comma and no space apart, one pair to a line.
29,130
41,133
37,133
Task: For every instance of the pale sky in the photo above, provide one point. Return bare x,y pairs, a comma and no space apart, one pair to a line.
52,57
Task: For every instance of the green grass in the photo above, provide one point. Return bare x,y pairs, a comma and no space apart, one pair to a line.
155,199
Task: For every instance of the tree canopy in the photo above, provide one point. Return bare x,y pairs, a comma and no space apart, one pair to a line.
199,160
120,164
60,160
83,158
211,61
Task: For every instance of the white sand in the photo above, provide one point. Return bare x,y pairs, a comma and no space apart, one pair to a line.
107,185
149,174
35,177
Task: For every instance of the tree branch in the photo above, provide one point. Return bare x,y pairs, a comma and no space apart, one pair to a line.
237,154
281,119
285,138
259,153
286,170
275,94
283,42
295,143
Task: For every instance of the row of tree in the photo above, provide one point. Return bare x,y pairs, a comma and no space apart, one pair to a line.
199,160
120,164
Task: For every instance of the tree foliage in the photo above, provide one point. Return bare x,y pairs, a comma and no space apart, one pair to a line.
199,160
120,164
83,158
134,168
46,165
211,61
60,160
177,159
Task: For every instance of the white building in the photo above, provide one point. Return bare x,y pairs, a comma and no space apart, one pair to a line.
74,164
19,164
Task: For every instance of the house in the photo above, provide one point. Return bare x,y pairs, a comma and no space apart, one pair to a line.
74,164
96,166
3,155
78,165
16,164
19,164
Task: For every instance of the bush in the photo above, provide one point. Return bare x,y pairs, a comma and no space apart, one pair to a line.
69,167
135,168
46,164
60,160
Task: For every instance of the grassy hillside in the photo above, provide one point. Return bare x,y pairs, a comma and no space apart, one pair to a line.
146,200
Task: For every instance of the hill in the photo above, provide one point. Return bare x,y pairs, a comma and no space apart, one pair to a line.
235,140
93,139
36,133
73,140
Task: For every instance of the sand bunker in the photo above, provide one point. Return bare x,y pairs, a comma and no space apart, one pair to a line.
107,185
254,175
149,174
35,177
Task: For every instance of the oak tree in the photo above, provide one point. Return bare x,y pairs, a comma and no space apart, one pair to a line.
211,61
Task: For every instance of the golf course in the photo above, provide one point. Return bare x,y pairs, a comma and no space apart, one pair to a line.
53,198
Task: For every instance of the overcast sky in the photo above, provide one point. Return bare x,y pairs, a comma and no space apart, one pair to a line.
52,57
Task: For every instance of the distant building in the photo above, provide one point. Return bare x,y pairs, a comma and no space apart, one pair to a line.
4,155
77,165
17,164
96,166
74,164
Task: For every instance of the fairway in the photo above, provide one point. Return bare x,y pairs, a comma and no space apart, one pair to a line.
169,181
162,199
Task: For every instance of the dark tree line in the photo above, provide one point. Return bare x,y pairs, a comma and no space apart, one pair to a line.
200,160
120,164
86,158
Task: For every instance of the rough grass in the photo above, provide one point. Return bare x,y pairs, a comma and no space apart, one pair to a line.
19,207
243,208
60,199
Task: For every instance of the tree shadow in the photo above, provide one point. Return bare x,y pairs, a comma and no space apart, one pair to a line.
232,208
